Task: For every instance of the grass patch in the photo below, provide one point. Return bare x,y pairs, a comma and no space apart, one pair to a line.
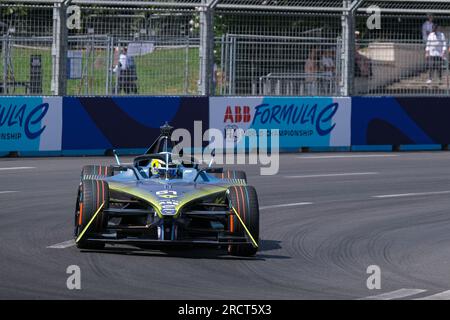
162,72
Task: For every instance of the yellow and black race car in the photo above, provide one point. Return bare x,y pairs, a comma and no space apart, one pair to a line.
157,202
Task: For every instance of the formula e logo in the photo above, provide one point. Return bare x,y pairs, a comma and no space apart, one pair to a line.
240,114
167,194
24,117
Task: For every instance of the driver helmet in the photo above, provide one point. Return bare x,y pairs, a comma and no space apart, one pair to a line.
158,168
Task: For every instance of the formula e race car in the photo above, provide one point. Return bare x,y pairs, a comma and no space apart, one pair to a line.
159,202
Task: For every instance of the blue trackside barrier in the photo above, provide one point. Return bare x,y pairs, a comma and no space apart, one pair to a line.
312,122
126,122
400,121
82,126
31,124
71,126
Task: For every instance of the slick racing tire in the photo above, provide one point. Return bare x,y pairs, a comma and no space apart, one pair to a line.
245,200
96,172
91,195
232,175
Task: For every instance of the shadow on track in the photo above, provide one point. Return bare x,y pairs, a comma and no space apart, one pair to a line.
194,253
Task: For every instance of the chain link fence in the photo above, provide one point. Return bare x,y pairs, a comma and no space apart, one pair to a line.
274,54
162,49
393,60
25,47
286,48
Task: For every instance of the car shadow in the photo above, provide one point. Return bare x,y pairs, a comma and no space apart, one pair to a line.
268,245
194,253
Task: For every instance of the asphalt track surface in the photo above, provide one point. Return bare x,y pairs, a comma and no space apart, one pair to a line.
324,219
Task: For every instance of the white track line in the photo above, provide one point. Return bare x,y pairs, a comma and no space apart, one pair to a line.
63,245
17,168
350,174
418,194
397,294
439,296
5,192
350,156
286,205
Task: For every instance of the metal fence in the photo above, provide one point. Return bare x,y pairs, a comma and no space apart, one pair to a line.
393,60
222,47
162,46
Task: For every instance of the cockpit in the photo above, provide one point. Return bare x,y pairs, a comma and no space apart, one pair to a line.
160,163
160,166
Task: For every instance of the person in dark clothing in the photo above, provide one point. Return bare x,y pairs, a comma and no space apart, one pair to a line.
127,79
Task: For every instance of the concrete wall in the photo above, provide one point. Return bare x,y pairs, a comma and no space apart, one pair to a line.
391,62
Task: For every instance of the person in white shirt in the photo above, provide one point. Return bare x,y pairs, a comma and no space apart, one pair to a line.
436,52
127,73
427,27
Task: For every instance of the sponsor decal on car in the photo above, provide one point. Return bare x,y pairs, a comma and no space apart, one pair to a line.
168,203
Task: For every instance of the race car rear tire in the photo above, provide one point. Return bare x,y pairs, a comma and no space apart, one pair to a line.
231,175
91,195
245,200
95,172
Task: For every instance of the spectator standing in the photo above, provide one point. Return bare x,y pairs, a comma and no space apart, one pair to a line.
311,70
328,68
427,27
127,75
436,52
363,65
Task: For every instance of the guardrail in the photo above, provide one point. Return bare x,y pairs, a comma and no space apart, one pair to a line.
303,84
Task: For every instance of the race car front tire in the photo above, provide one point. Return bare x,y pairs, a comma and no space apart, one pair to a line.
91,195
245,201
91,172
232,175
